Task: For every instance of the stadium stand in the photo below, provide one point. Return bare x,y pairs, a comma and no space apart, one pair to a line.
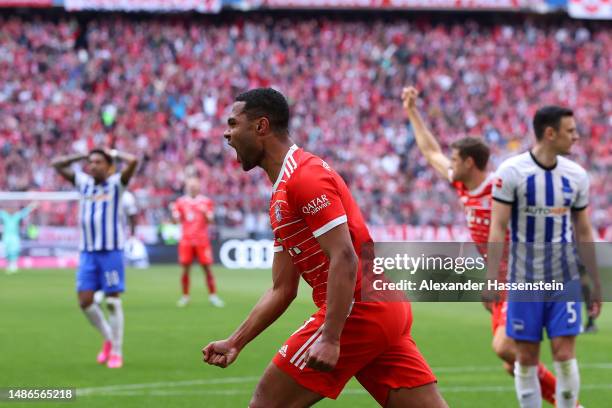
160,86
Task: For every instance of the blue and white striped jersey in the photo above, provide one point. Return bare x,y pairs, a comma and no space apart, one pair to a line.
101,219
542,200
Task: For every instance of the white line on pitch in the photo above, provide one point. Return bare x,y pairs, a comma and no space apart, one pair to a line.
164,384
348,391
236,380
475,369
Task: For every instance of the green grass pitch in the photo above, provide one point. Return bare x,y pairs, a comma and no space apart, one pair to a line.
46,342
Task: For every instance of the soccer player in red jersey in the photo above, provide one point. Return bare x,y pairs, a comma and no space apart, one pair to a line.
318,231
466,171
195,211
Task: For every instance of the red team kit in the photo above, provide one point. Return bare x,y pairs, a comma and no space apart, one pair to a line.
308,200
192,213
477,206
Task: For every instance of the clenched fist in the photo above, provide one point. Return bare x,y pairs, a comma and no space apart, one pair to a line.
220,353
323,355
409,98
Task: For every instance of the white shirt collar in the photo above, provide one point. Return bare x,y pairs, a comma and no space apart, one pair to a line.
292,149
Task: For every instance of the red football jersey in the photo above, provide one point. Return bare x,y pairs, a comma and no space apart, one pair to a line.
192,213
477,205
309,199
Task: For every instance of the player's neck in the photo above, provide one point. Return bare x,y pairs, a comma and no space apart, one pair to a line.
476,180
272,163
545,157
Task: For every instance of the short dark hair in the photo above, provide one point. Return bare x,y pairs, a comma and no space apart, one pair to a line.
102,152
474,148
267,102
549,116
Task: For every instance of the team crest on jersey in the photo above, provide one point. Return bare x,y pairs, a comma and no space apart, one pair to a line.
277,212
498,182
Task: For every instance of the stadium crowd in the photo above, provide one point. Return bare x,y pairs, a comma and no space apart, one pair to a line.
159,87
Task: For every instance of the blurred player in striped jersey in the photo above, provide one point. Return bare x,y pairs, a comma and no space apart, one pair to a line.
102,238
195,212
318,230
544,196
466,171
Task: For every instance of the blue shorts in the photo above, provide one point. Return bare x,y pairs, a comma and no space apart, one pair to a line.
101,270
525,320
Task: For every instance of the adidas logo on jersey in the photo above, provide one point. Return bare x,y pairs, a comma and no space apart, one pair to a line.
283,350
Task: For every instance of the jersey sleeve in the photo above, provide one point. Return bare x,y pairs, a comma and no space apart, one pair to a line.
582,196
313,193
129,203
277,247
504,184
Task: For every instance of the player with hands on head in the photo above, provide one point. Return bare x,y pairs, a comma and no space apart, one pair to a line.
101,220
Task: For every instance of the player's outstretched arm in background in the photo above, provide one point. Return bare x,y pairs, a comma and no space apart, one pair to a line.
341,278
500,215
130,160
586,250
285,280
426,141
62,165
24,212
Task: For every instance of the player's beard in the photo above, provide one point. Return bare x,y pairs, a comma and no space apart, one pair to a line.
251,158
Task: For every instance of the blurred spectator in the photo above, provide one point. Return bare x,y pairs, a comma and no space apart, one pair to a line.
161,86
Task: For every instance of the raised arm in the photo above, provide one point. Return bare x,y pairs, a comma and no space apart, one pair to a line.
341,278
270,307
62,165
131,164
24,212
426,141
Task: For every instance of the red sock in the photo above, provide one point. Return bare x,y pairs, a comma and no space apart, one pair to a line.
210,282
185,284
547,383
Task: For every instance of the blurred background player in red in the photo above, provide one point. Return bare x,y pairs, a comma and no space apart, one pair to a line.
466,171
194,211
